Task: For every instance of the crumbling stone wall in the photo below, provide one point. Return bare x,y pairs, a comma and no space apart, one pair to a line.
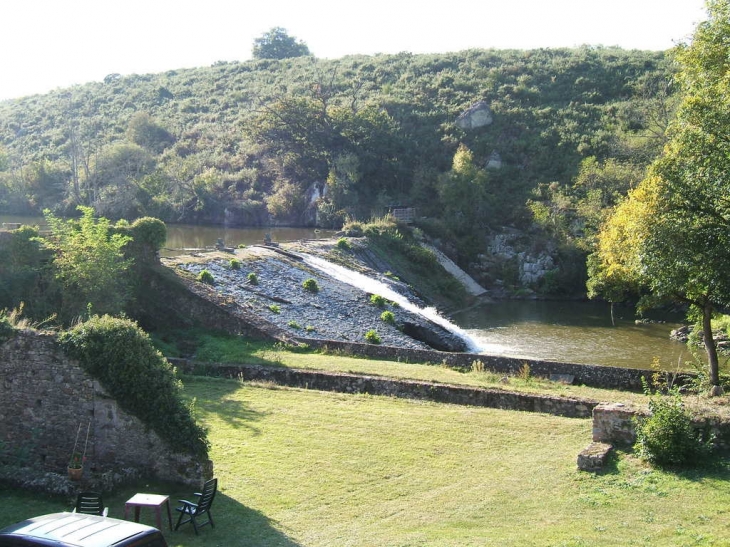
391,387
588,375
614,423
46,396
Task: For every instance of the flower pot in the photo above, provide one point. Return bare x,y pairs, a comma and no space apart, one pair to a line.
75,473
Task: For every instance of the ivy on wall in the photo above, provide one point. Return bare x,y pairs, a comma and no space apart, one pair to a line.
122,358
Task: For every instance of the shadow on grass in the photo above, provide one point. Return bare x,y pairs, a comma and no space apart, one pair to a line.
211,396
715,466
235,524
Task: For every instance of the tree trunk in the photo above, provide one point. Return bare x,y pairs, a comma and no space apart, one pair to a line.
711,349
613,321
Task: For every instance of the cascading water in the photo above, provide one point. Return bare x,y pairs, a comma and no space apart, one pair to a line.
370,285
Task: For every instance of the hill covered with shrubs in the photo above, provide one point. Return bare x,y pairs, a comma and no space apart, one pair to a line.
540,140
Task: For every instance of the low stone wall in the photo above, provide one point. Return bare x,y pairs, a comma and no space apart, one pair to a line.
48,398
354,383
614,423
588,375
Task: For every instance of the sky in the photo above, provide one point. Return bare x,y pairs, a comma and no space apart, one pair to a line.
49,44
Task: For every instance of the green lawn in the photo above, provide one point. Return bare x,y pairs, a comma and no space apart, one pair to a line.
305,468
218,348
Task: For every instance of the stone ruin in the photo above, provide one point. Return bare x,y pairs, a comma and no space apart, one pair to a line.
47,399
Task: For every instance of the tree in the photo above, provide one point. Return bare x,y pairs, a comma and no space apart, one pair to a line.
672,234
277,44
148,134
464,196
89,262
117,177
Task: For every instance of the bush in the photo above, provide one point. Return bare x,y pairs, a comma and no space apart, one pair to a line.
377,300
294,325
372,336
235,264
150,232
387,317
123,359
206,277
343,244
667,437
275,308
252,278
310,285
353,229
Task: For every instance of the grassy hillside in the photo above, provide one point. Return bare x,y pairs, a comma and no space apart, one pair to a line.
246,139
307,141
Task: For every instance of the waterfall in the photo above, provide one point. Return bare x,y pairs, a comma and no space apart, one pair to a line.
370,285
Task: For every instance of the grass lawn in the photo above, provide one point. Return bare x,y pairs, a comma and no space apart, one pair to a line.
220,348
305,468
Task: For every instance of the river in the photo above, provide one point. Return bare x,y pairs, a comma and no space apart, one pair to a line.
577,332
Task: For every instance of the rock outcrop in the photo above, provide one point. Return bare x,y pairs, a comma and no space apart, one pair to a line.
477,115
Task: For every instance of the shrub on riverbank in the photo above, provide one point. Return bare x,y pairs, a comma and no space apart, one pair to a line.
387,317
206,277
372,336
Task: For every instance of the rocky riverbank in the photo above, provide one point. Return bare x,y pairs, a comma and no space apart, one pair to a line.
269,281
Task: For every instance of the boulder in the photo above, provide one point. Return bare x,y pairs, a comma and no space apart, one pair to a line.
494,161
477,115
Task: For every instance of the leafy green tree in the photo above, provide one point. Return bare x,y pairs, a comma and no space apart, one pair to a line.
672,234
598,187
465,198
89,262
341,183
277,44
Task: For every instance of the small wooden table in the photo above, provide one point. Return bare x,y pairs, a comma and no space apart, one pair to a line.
149,500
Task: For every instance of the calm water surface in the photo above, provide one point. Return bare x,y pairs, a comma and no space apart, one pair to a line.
188,236
185,236
576,332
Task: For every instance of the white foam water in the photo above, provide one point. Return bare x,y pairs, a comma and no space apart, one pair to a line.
374,286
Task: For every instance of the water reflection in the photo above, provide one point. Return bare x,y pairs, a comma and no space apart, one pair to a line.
190,236
186,236
577,332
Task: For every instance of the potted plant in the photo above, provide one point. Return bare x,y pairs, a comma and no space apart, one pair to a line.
76,463
76,466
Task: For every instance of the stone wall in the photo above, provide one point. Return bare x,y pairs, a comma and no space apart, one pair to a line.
614,423
46,397
588,375
390,387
